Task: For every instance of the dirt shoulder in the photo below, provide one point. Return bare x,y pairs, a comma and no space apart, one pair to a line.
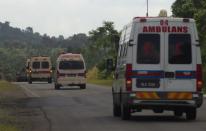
15,114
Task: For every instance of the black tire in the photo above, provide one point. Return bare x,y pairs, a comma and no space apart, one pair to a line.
83,86
116,110
178,113
116,107
191,114
49,80
56,87
30,81
125,112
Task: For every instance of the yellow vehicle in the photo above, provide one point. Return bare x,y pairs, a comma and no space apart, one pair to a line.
39,69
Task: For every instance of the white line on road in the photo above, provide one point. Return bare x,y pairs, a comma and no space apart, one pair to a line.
29,93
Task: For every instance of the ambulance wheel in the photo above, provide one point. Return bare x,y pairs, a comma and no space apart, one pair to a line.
116,110
49,80
83,86
30,81
56,87
191,114
178,113
125,112
116,107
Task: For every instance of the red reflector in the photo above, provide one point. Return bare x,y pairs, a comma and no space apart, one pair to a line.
128,79
82,74
143,20
128,70
129,84
199,81
186,20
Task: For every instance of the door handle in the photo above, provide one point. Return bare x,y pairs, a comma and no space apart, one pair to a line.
169,74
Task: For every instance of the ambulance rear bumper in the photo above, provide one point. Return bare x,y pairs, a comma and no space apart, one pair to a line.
165,104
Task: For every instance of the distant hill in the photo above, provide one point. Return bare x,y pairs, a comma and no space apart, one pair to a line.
16,45
12,37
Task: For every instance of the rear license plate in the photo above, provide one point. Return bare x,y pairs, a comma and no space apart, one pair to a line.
148,83
71,75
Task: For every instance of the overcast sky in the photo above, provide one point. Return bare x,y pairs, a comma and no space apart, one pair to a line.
68,17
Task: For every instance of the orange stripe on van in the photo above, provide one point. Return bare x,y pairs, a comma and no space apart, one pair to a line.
179,96
147,95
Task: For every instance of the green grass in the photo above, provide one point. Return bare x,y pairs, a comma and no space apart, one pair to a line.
6,86
100,82
92,77
7,121
7,128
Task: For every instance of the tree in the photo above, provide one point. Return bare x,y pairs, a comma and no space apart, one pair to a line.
101,46
183,8
29,29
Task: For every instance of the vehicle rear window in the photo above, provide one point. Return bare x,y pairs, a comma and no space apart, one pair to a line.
148,49
66,65
180,49
45,64
36,65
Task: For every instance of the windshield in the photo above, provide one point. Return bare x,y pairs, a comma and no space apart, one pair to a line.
148,49
36,65
180,51
66,65
45,65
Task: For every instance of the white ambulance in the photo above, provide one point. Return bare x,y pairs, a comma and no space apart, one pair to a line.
158,67
40,69
70,71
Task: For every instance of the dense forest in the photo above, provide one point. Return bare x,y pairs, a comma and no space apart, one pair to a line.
16,45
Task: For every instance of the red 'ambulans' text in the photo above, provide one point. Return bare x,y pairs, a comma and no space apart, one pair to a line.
179,29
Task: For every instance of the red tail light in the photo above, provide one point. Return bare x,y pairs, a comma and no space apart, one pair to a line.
128,77
82,74
143,20
60,74
199,81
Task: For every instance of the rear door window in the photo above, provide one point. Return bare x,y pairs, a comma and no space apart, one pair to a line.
148,49
36,65
69,65
180,51
45,65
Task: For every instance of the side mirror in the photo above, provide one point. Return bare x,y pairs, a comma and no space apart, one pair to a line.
110,65
131,42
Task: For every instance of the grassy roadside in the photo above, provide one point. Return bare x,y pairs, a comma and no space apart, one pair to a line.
8,122
92,78
100,82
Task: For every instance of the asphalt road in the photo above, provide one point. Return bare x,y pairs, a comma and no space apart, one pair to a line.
72,109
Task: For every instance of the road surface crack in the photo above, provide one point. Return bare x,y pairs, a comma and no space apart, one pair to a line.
47,118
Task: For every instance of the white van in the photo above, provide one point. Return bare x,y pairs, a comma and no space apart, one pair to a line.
70,71
158,67
39,69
